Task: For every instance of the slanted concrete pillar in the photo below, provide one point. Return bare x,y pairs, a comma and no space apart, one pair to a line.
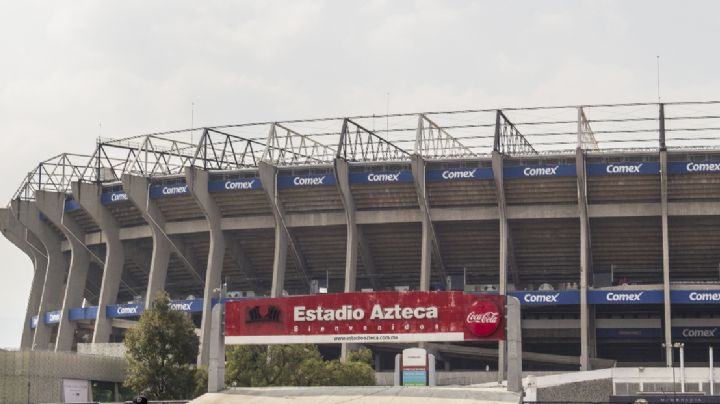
268,175
667,315
197,181
138,191
342,176
52,204
514,341
497,166
52,293
585,329
89,197
31,246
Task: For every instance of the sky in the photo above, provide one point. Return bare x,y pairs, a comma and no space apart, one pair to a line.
73,70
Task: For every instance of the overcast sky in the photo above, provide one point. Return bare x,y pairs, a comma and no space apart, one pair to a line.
137,66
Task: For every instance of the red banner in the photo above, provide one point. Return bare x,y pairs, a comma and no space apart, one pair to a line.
366,317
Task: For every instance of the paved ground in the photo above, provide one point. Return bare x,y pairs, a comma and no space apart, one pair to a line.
375,395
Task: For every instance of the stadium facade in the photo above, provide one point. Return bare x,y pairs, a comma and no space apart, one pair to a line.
603,220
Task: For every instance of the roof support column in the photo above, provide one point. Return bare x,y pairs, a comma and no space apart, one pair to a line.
430,245
89,197
342,172
26,241
52,204
283,238
138,191
29,215
587,333
197,180
497,167
267,174
355,243
667,315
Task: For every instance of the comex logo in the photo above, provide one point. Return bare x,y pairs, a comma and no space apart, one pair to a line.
181,306
540,171
235,185
300,181
532,298
704,296
127,310
623,297
455,174
383,177
694,167
624,168
699,333
119,196
174,190
54,317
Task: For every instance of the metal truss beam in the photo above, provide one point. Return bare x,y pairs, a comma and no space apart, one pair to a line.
286,147
432,141
360,144
585,137
218,150
508,139
54,174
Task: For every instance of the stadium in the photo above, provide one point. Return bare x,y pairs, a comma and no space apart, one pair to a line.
604,220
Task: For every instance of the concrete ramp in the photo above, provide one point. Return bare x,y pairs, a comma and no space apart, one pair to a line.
374,394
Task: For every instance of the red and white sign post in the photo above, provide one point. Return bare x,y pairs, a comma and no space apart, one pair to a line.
366,317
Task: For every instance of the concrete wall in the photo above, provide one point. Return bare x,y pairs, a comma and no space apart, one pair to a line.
585,391
459,378
45,371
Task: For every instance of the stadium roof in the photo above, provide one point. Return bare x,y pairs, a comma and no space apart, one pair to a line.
438,135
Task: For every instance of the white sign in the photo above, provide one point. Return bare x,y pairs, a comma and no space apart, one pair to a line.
76,391
414,357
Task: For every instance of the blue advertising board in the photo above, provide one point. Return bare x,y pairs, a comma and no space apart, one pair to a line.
546,298
629,332
622,168
52,317
71,205
188,306
83,313
459,174
238,184
113,197
625,296
169,190
691,167
306,180
124,310
383,177
695,332
556,170
695,296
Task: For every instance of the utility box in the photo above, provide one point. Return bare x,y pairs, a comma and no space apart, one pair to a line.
414,367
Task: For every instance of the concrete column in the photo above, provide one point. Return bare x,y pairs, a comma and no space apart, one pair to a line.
584,259
267,174
666,257
497,166
51,299
28,243
197,181
342,176
52,204
138,191
89,197
418,170
514,340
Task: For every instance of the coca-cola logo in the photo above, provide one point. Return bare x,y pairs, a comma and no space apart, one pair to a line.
483,319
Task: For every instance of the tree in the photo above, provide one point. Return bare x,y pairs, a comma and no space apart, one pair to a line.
294,365
161,351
